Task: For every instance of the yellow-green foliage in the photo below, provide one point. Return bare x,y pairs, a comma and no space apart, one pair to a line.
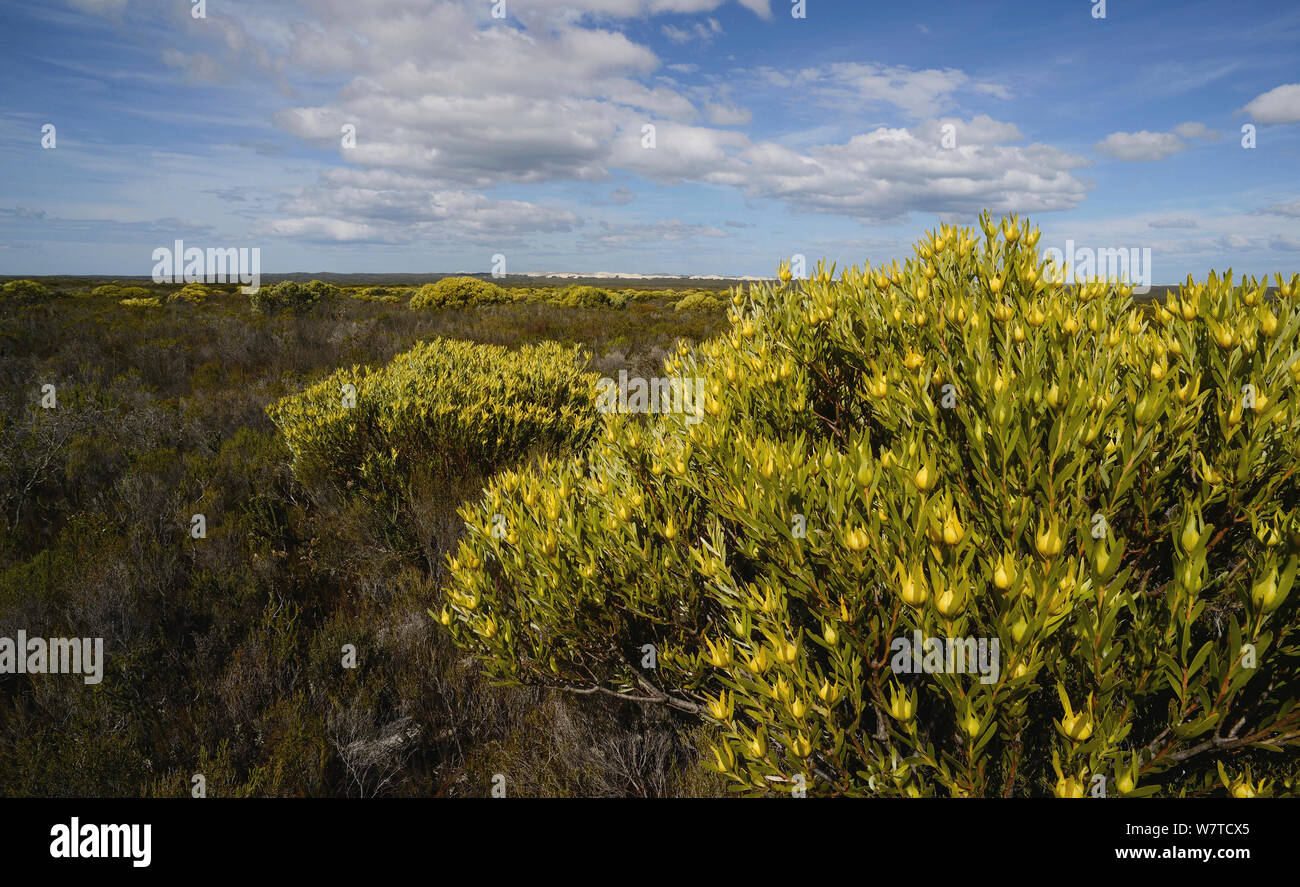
446,406
291,296
23,291
142,302
372,294
119,292
698,302
589,297
458,292
1108,490
193,293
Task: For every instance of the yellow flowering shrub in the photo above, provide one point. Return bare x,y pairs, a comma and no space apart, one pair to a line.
194,293
699,302
450,407
458,292
961,448
116,291
23,291
589,297
291,296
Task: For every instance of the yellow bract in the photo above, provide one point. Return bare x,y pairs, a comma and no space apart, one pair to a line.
784,538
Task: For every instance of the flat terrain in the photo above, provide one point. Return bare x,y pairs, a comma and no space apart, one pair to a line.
223,654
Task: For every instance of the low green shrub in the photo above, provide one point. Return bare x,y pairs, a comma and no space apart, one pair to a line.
698,302
458,292
119,292
589,297
446,407
291,296
194,293
24,292
373,294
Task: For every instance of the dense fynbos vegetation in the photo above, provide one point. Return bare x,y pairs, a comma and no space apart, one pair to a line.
458,292
23,291
589,297
190,292
462,292
698,302
292,296
1101,493
452,408
956,448
224,653
114,291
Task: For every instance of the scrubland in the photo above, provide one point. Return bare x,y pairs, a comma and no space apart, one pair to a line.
960,447
224,652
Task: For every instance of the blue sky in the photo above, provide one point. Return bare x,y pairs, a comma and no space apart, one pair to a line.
523,136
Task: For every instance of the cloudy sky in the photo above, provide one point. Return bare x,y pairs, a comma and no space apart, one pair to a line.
526,135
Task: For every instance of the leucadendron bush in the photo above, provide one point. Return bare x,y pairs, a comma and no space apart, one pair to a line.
446,408
960,447
458,292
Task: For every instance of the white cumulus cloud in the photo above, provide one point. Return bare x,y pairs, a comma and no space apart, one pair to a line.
1140,146
1279,105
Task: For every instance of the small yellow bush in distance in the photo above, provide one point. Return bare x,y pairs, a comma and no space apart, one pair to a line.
451,407
373,294
23,291
115,291
698,302
458,292
191,292
589,297
1104,495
